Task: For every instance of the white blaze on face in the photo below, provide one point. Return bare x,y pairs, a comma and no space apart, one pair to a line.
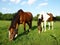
9,34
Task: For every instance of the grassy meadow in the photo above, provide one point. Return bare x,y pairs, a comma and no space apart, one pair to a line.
50,37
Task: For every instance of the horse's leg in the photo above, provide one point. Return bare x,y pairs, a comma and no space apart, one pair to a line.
24,26
29,25
16,30
45,25
42,26
49,25
39,25
52,25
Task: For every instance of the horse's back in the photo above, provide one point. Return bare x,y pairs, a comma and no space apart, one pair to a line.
51,17
28,16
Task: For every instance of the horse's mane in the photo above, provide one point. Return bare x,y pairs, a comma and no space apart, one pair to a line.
20,11
14,20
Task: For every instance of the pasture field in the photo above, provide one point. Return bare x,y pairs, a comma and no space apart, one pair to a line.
50,37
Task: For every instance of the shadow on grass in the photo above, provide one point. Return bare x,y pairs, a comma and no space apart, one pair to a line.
1,43
48,26
25,33
34,27
54,37
19,35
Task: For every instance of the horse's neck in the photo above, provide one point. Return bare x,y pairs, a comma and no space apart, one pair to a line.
14,24
41,16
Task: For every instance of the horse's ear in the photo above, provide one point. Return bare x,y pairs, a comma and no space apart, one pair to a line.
47,13
20,11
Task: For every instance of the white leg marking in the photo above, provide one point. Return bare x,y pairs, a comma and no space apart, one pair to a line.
52,25
49,25
45,25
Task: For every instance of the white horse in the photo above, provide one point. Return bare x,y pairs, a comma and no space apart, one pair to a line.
43,18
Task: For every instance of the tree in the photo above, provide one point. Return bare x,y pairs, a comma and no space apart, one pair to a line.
57,18
0,15
36,17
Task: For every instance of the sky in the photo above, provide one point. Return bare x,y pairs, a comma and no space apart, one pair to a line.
33,6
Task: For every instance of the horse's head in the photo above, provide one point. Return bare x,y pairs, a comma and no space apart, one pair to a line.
12,33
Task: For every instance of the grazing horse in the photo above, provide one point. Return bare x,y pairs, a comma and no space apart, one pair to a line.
20,17
42,19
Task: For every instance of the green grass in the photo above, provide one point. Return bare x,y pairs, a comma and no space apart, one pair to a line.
50,37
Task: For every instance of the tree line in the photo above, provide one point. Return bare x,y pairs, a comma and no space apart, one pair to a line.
9,16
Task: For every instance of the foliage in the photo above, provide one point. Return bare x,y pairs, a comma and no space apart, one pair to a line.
0,15
7,16
36,17
58,18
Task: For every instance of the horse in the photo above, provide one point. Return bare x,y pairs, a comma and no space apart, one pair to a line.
20,17
42,19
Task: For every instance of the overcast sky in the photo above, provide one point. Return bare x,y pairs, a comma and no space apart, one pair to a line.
34,6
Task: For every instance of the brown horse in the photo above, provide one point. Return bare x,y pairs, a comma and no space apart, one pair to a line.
20,17
43,18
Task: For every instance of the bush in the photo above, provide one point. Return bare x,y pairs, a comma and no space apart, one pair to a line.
57,18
